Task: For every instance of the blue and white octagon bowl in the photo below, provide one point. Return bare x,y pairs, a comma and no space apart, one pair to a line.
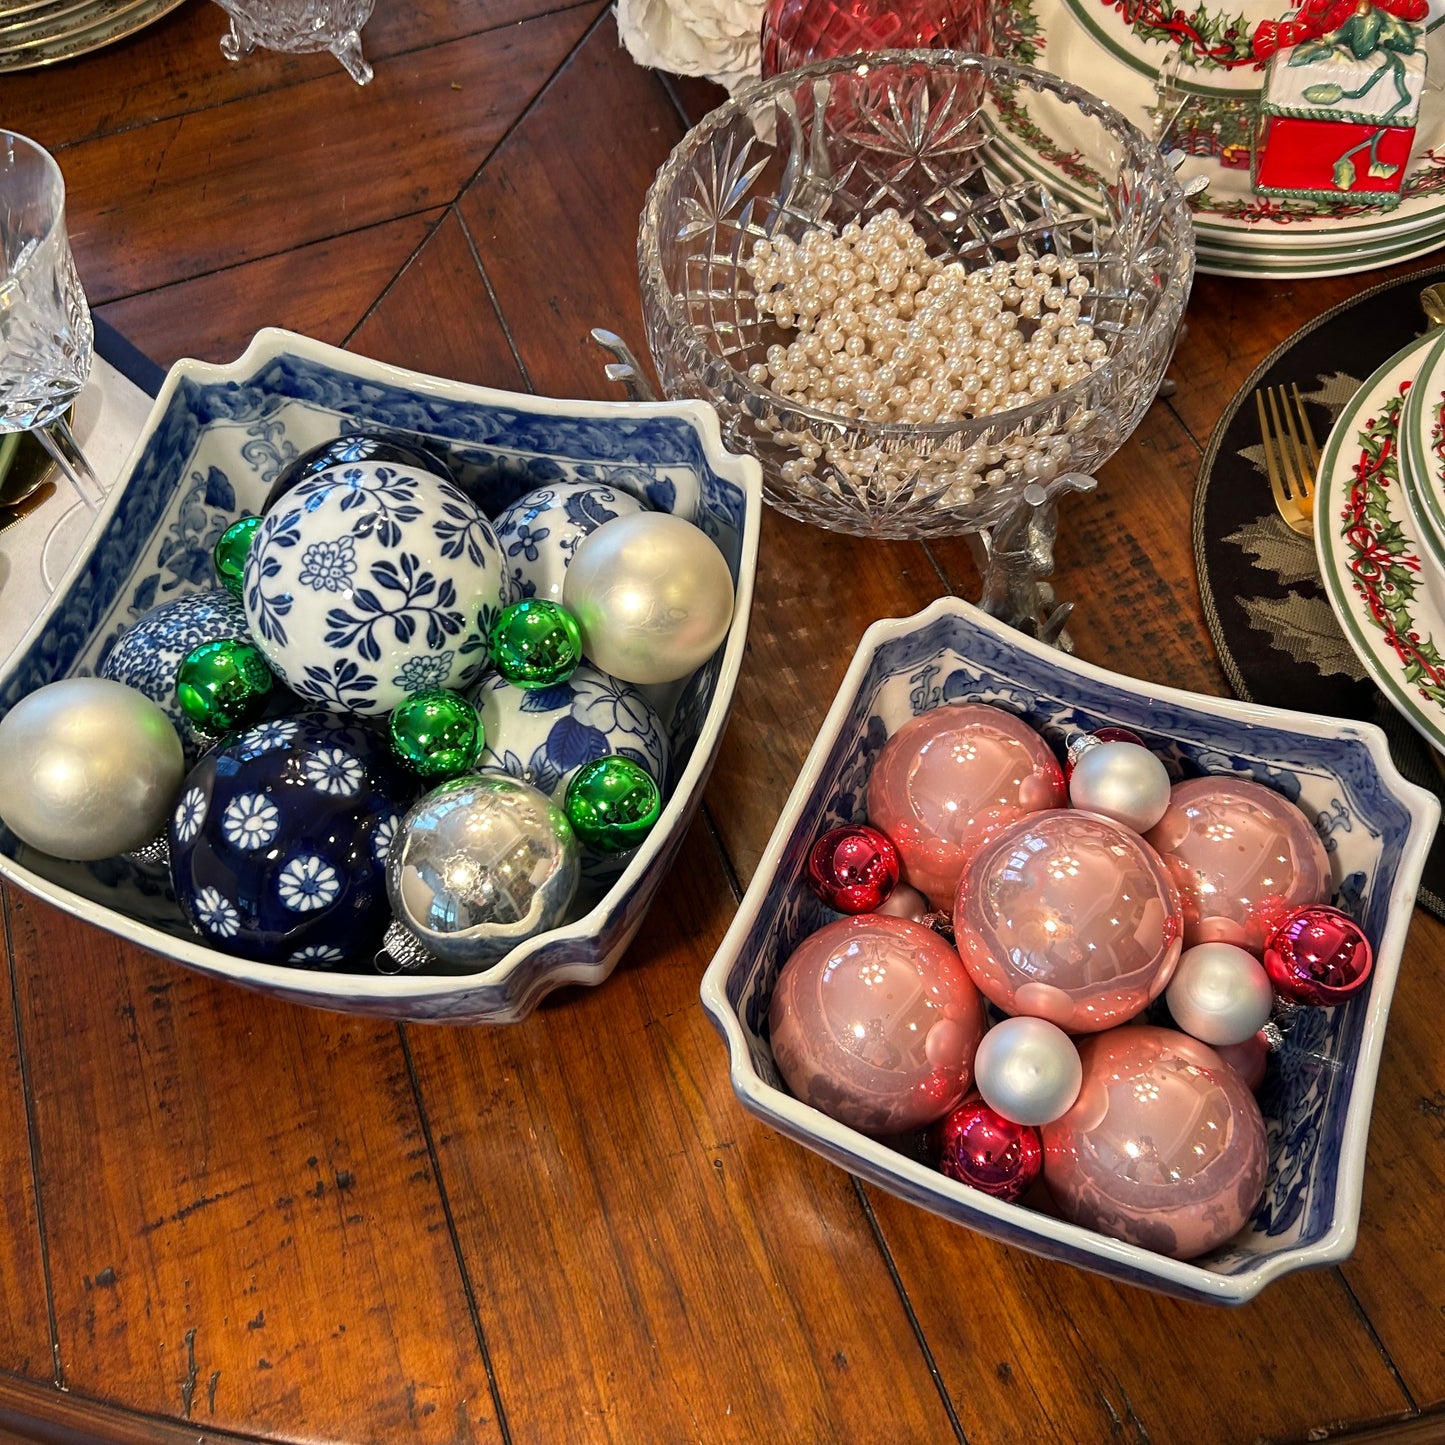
214,442
1318,1091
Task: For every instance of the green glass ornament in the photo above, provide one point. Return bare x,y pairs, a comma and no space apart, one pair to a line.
612,804
223,685
535,643
437,734
232,549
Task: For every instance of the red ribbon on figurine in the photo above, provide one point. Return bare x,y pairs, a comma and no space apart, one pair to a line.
1319,17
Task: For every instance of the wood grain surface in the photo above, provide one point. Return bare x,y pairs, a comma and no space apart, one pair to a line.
227,1219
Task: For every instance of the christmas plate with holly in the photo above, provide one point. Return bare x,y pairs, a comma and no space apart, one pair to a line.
1385,587
1422,448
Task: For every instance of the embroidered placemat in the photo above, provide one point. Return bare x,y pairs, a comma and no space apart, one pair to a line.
1264,602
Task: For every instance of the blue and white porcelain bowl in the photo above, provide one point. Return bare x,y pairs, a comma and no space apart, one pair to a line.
214,442
1317,1095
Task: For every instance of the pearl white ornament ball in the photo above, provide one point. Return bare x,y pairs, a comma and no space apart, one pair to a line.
1028,1070
652,596
1219,994
88,768
1122,781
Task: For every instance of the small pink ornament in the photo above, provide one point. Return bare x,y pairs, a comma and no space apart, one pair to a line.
853,868
905,902
1318,956
874,1021
1165,1147
1249,1059
986,1151
949,780
1242,858
1068,917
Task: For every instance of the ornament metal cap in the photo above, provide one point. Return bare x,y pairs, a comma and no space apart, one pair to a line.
401,951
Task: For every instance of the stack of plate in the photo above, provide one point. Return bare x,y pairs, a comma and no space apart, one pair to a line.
1142,57
42,32
1380,529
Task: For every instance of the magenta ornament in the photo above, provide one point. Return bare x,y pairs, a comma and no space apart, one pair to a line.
1164,1148
1242,858
949,780
1068,917
984,1150
853,868
874,1021
1318,955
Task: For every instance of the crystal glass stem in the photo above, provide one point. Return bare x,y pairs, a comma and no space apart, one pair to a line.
58,439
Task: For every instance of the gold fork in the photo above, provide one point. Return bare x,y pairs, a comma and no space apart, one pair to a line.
1290,456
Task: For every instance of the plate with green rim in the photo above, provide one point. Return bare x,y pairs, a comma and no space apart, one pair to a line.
1422,448
1384,587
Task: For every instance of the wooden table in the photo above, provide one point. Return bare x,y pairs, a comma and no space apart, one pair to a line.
222,1217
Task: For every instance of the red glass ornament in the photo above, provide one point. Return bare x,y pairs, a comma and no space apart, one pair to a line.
984,1150
798,31
1318,955
1081,742
853,868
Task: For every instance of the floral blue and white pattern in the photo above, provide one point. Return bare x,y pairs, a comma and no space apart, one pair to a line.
214,443
539,533
307,883
315,954
250,821
381,838
216,915
190,814
334,770
266,736
412,571
1317,1084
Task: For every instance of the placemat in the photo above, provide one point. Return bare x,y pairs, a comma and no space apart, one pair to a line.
1264,602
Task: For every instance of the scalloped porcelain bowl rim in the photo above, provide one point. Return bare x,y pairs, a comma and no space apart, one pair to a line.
334,990
891,1169
699,357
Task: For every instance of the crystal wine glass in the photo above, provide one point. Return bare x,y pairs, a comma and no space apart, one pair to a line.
45,329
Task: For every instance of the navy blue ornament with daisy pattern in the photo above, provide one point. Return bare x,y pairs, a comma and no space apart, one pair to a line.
279,837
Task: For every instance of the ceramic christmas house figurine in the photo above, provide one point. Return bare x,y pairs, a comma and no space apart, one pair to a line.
1340,100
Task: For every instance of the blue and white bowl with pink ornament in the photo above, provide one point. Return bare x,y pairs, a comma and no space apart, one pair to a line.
1319,1087
213,444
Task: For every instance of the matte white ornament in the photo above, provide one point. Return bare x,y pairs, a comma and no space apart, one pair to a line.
1220,994
1028,1070
1122,781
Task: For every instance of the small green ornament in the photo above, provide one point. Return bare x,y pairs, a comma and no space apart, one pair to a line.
535,643
223,685
437,734
232,549
612,804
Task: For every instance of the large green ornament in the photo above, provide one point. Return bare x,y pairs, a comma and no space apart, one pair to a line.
223,685
612,803
232,549
535,643
437,734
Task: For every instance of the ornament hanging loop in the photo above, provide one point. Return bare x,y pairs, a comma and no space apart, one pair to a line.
1017,555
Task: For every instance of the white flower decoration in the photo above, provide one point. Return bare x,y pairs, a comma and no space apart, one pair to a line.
307,882
250,821
334,770
190,814
266,737
216,914
720,39
317,953
381,839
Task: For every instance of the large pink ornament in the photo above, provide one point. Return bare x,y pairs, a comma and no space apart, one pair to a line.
1318,956
874,1022
1068,917
949,780
1241,856
1164,1148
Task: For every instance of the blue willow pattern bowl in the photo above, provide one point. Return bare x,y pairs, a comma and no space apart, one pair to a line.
215,440
1316,1098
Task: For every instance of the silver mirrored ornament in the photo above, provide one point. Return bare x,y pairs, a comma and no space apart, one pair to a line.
88,768
1028,1070
478,866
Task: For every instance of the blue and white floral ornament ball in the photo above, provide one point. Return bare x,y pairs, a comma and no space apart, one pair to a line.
369,582
278,841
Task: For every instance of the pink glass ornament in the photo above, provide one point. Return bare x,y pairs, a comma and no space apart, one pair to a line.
1318,956
1069,917
797,31
905,902
874,1022
853,868
949,780
1249,1059
1241,856
1165,1147
986,1151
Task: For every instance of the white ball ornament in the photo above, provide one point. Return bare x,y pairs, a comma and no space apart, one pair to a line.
1028,1070
652,595
1219,994
1123,781
88,768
